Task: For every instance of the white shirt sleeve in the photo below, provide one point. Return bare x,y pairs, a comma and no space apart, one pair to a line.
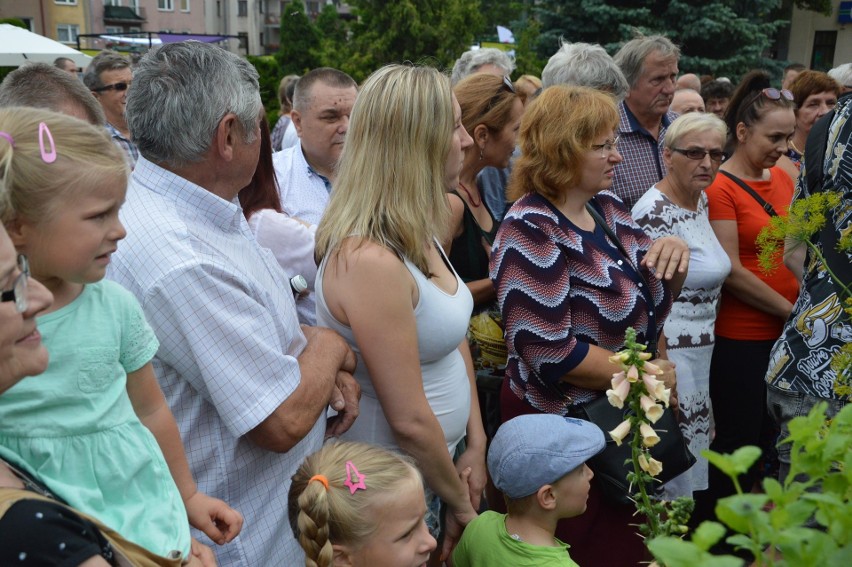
289,240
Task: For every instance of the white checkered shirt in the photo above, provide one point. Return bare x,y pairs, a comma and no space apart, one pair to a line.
304,192
224,314
643,164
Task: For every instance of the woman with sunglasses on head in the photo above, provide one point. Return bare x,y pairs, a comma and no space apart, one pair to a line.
491,115
567,292
677,206
749,189
815,94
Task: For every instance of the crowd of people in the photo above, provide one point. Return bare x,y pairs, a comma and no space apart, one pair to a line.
225,343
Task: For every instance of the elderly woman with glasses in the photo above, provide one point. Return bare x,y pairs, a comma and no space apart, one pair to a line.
748,191
815,94
677,206
567,292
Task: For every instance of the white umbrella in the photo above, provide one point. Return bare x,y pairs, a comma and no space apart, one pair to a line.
17,46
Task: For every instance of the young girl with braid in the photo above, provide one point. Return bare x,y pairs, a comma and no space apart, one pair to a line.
356,505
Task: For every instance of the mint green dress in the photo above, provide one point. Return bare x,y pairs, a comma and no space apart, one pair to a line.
74,427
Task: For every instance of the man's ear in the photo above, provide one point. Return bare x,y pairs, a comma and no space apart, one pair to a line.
342,556
546,497
227,135
296,117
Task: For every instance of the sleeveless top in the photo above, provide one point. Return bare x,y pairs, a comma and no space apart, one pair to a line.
442,321
467,255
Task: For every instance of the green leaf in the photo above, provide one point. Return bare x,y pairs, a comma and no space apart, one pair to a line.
708,534
743,512
745,457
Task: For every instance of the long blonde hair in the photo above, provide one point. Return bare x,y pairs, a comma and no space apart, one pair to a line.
389,185
323,515
31,188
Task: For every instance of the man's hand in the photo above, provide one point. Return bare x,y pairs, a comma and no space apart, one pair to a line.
344,400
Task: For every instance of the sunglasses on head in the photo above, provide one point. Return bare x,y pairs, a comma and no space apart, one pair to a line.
121,86
507,82
775,94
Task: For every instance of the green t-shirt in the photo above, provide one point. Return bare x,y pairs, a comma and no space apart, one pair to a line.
486,543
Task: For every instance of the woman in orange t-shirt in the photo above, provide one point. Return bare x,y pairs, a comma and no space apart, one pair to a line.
754,305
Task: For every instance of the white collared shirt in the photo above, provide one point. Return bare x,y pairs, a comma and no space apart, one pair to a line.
304,193
224,314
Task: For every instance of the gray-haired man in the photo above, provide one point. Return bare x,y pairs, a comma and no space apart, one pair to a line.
248,388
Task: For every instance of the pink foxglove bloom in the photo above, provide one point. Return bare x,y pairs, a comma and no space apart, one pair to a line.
652,410
644,356
619,357
632,374
619,433
618,394
649,436
650,465
655,387
651,368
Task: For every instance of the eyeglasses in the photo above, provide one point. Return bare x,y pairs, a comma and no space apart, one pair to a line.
607,147
18,293
775,94
771,94
120,87
698,154
507,83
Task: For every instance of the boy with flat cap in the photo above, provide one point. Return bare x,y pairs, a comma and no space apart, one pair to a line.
539,463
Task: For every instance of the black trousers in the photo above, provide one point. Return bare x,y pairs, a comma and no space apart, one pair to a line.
738,394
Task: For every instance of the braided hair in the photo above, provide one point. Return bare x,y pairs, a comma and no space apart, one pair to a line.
323,511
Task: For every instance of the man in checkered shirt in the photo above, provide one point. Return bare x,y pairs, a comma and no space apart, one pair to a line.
249,387
650,66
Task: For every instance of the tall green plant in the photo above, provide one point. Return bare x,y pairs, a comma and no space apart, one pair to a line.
806,521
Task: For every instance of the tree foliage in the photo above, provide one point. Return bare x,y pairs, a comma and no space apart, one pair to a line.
432,32
726,37
300,41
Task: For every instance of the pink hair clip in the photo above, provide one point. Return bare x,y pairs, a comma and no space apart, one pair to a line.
8,137
46,156
352,471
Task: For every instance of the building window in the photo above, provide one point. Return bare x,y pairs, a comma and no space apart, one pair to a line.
67,33
184,5
243,40
166,5
242,8
68,2
112,2
134,4
261,39
114,29
28,22
825,43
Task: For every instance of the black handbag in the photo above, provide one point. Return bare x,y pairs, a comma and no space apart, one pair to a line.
613,463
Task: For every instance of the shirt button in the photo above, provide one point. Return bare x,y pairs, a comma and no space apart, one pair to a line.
620,262
651,313
640,284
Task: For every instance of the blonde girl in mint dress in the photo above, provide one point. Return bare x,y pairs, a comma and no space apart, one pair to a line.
95,427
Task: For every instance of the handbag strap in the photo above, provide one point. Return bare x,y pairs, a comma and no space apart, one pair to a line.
651,335
760,200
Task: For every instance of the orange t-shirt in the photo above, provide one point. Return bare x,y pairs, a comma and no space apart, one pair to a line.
729,201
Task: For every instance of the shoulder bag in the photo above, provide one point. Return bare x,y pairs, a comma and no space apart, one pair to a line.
614,462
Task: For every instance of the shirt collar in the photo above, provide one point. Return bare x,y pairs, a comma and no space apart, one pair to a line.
629,123
187,196
311,171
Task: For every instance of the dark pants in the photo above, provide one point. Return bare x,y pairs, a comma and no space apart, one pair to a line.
605,534
738,395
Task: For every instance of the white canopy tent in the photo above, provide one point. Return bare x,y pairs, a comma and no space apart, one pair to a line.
17,46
